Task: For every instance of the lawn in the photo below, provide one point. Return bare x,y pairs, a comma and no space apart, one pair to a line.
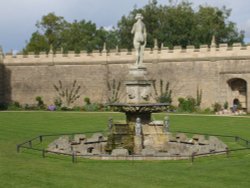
29,169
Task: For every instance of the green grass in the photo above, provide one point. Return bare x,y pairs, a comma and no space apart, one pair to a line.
29,169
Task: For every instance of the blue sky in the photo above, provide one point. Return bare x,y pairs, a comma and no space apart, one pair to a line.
18,17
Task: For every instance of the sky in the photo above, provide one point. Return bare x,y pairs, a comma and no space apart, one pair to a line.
18,17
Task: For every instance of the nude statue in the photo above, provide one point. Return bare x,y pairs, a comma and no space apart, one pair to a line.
140,36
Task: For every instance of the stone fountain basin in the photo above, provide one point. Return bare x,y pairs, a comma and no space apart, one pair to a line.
142,111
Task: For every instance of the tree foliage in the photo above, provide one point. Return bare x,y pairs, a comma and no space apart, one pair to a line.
37,43
53,31
179,24
171,24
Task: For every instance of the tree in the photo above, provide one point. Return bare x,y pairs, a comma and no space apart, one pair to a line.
80,36
211,21
110,37
171,24
52,26
76,36
178,24
37,43
49,33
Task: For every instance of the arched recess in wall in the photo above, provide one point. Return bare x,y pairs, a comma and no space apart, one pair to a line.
238,92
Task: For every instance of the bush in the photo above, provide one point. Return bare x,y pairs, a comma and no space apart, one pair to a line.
3,106
164,98
187,105
217,107
64,108
77,108
207,111
165,95
58,102
31,107
40,103
92,107
87,101
68,95
14,106
225,105
172,108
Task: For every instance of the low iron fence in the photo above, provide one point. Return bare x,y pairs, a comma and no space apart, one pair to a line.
33,143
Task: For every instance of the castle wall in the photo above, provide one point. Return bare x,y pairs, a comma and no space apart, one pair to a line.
205,68
1,83
1,77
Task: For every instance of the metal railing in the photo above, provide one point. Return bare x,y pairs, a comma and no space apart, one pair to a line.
29,144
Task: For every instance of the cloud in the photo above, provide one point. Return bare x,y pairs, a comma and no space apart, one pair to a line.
18,18
109,27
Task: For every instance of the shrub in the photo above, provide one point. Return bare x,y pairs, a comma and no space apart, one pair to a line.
225,105
40,102
187,105
165,94
31,107
217,107
14,106
64,108
3,106
113,90
172,108
87,100
58,102
26,107
207,111
92,107
68,95
77,108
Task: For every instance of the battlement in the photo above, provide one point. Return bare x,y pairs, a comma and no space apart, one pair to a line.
213,53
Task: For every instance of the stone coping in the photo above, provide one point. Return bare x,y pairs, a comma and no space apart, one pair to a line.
72,61
140,108
153,158
138,105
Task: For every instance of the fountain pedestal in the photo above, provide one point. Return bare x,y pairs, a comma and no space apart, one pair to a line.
138,87
140,105
138,145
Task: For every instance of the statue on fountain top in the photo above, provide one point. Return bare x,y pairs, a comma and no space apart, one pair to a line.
140,36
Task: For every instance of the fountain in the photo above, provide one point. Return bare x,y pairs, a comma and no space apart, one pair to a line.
138,135
138,128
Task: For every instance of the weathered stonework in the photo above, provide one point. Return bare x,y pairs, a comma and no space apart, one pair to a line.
208,69
1,83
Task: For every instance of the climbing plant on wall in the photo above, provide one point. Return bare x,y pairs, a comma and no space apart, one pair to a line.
68,95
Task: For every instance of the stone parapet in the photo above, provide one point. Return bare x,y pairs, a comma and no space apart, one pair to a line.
222,51
1,83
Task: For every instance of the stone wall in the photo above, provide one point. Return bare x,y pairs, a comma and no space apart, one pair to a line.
1,83
208,69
